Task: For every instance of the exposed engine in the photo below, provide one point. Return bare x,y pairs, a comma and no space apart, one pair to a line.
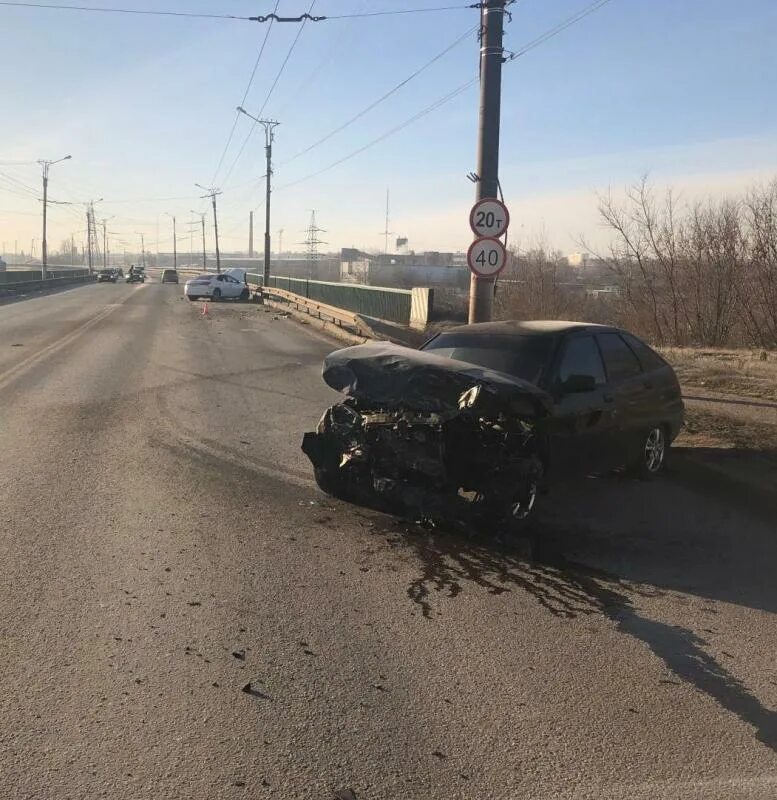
480,454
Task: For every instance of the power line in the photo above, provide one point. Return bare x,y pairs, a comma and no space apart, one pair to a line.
403,11
428,110
388,94
245,95
269,94
150,12
563,25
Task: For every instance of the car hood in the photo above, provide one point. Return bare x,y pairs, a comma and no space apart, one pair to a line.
392,375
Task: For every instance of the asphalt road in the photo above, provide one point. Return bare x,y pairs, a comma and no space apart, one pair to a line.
157,518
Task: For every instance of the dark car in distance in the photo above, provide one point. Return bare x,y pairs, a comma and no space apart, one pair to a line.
169,276
106,276
493,412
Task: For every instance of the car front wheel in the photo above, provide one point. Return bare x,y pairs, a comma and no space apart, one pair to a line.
216,296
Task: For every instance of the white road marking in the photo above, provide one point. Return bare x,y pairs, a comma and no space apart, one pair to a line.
13,372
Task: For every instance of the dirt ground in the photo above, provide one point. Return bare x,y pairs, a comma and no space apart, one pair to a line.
731,413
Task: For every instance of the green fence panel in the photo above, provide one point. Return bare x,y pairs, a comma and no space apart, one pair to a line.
372,301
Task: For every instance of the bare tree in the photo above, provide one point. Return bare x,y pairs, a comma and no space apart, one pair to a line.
758,289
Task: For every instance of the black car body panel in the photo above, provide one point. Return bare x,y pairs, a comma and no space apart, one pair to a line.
393,375
425,424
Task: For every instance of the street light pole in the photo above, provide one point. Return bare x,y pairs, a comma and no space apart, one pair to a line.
269,126
481,291
45,164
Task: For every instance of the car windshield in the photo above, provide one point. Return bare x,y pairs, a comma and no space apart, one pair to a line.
525,357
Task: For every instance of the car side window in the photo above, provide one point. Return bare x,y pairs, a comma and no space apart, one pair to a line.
620,361
581,357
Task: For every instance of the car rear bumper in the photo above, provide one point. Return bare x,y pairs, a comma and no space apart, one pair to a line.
197,291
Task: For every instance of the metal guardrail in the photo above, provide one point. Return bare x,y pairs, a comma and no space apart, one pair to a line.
382,302
49,283
321,311
28,276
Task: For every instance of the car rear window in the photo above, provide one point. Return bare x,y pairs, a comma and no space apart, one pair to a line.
648,357
524,357
620,361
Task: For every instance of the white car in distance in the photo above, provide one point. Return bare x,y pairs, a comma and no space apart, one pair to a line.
226,286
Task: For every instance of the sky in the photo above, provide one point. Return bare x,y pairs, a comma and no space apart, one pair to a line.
682,90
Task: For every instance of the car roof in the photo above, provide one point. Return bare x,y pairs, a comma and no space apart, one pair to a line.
537,327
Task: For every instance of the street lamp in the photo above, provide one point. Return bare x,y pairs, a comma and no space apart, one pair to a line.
269,126
45,164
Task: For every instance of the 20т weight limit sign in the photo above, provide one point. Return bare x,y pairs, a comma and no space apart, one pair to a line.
489,217
486,257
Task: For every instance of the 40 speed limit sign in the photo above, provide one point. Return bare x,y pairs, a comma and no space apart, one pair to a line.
486,257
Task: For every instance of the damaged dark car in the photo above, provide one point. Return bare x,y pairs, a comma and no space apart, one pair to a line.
481,420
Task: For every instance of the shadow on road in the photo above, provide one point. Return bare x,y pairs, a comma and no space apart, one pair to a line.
607,544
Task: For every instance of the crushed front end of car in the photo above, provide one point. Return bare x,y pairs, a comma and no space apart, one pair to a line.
429,436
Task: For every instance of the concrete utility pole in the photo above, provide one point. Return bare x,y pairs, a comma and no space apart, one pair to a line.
105,244
213,193
492,13
201,215
45,164
89,236
269,126
175,243
250,234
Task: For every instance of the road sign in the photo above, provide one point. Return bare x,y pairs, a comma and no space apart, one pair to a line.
486,257
489,217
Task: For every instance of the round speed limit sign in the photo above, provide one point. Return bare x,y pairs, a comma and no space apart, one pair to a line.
486,257
489,217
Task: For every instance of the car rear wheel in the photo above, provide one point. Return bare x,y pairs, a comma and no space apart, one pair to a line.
216,296
192,299
653,455
244,295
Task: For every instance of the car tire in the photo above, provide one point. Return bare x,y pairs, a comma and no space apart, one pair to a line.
191,299
216,296
331,482
652,458
244,295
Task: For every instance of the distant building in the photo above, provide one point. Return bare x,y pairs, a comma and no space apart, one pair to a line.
3,265
579,259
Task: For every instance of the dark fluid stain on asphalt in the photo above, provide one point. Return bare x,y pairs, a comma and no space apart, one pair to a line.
566,589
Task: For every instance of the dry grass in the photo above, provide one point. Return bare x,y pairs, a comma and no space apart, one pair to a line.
749,373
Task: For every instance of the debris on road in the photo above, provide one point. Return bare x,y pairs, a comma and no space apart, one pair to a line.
240,655
254,691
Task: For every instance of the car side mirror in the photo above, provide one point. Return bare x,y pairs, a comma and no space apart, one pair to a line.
578,384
